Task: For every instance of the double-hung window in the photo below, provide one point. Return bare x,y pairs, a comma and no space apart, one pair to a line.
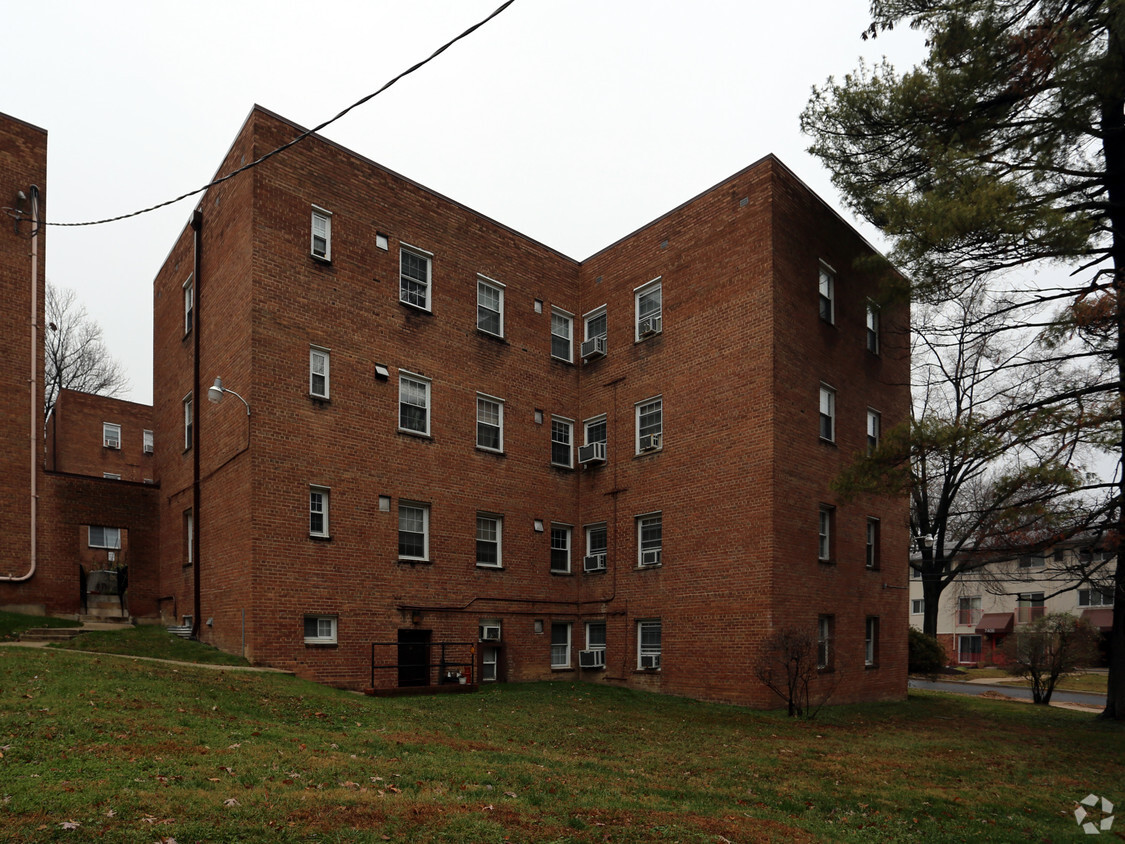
917,606
111,435
490,532
318,511
414,278
189,304
648,301
872,328
827,413
871,559
188,421
1029,607
827,294
147,442
871,641
490,306
595,333
595,640
648,644
826,516
560,549
562,335
413,531
969,610
597,537
104,537
414,404
874,423
824,625
562,442
650,539
650,424
560,644
490,423
321,234
320,630
318,372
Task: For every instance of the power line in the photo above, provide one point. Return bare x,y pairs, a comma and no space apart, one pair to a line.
300,137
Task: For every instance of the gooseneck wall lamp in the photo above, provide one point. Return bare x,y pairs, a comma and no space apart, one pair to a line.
216,392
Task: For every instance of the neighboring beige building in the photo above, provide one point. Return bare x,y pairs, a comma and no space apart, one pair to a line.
983,607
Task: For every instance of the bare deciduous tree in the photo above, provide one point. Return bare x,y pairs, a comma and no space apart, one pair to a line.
1050,647
75,357
788,667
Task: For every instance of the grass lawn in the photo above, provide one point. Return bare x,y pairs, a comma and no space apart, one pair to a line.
1080,682
12,624
152,641
111,748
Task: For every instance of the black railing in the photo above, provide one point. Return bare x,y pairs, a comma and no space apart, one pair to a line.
414,665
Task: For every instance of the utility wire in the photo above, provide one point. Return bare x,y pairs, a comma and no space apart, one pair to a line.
300,137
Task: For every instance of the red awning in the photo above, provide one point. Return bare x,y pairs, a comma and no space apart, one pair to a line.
1101,618
996,622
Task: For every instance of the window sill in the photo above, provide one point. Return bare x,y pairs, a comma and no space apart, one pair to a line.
556,359
320,537
317,644
321,259
494,451
489,566
320,399
416,434
645,339
826,562
642,567
560,573
562,466
416,308
488,335
825,441
871,667
411,562
559,669
646,670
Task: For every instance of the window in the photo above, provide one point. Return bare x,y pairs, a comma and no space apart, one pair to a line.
111,435
490,531
871,641
320,630
318,511
562,438
969,610
189,304
105,537
595,323
560,549
148,442
562,330
648,307
414,404
1095,597
321,234
560,644
650,424
414,278
916,573
413,531
824,630
189,537
917,606
595,636
648,644
318,372
650,532
827,413
595,429
968,649
490,423
490,307
827,294
596,543
871,558
488,664
111,476
1029,607
1033,561
872,328
826,516
873,425
188,411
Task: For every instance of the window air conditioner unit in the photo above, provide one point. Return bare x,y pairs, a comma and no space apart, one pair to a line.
593,348
148,449
112,444
650,558
650,660
591,659
594,562
650,442
591,453
649,326
490,632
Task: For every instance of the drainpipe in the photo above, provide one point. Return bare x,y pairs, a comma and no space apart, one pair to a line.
36,373
197,237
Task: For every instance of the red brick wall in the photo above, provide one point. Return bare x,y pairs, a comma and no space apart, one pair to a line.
74,437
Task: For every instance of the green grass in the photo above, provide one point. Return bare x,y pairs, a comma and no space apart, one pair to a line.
12,624
137,751
1080,682
150,641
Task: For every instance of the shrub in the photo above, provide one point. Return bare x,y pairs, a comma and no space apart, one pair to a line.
926,655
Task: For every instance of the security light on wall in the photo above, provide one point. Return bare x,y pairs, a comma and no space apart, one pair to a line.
216,392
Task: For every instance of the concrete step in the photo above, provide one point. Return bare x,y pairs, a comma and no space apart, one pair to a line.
49,634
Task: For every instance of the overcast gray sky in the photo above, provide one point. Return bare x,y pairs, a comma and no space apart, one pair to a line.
572,121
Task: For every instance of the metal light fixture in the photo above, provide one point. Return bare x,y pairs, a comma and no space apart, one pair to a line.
216,392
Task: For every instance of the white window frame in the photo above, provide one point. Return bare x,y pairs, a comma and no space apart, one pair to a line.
148,443
649,625
871,641
418,381
189,535
321,355
650,408
111,476
827,414
491,285
644,294
424,509
403,279
917,606
566,533
590,644
969,637
826,286
825,516
824,625
498,424
319,507
593,422
321,225
111,435
493,524
189,304
871,545
557,656
189,421
596,313
560,318
326,626
650,550
568,426
108,537
1096,596
489,663
590,530
874,429
873,335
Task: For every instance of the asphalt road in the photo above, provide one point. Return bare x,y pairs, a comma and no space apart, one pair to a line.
1020,692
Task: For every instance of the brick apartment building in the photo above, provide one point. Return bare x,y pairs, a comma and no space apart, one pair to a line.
435,434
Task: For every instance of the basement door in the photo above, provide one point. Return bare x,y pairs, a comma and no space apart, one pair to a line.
413,657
